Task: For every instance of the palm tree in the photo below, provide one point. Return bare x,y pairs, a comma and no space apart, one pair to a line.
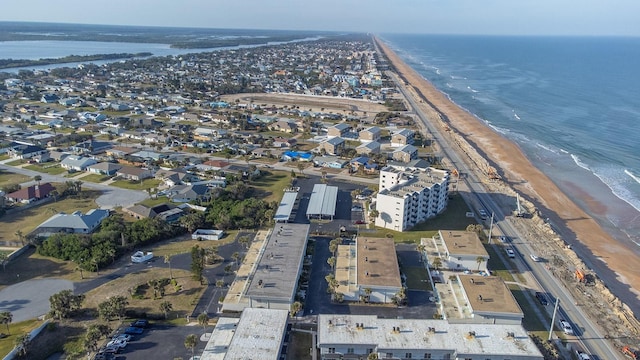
22,343
367,294
20,236
37,179
55,195
437,263
165,307
203,319
480,260
6,317
295,307
167,260
331,261
190,342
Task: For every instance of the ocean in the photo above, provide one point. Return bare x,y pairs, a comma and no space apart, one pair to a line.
570,103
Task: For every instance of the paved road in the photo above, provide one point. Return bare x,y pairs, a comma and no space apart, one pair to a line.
591,336
111,196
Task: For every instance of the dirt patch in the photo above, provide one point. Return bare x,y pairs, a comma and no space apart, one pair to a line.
310,102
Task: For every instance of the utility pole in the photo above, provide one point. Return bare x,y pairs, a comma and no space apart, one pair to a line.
491,228
553,318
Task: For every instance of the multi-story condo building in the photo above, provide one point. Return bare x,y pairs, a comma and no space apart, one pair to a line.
407,198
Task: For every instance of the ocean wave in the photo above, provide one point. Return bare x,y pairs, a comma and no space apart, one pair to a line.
472,90
546,148
515,115
615,181
579,162
564,151
502,131
449,85
634,177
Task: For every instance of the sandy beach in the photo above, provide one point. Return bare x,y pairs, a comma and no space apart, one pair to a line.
619,268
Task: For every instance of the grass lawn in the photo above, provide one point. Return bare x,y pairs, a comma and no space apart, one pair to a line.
415,275
15,162
183,298
96,178
137,185
153,202
53,169
285,135
30,265
183,244
15,330
299,345
29,219
4,157
8,178
270,187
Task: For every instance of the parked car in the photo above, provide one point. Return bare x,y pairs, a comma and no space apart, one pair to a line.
566,327
103,356
359,222
582,355
110,349
121,343
504,239
542,298
510,253
140,323
132,330
125,337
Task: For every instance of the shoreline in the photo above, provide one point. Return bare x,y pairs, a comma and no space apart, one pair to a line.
613,261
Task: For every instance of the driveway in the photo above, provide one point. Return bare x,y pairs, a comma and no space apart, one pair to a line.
29,299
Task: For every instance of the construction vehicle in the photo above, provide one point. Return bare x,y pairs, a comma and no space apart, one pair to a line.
630,353
584,278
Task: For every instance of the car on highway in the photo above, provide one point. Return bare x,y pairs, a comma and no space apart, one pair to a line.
566,327
132,330
504,239
359,222
542,298
582,355
510,253
534,257
483,214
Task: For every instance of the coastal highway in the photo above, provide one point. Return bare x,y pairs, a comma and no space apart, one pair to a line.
588,334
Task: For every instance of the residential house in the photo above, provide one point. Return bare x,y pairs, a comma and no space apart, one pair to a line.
370,134
284,126
363,163
104,168
166,211
120,151
133,173
402,137
49,98
280,142
77,163
338,130
173,177
368,148
459,250
25,151
90,147
31,193
332,146
186,193
405,153
75,223
58,155
330,161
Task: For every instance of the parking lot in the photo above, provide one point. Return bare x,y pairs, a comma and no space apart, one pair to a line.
163,342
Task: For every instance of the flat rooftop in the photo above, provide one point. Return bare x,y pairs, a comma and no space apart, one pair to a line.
463,243
276,271
488,294
256,335
323,200
414,180
489,339
377,262
286,206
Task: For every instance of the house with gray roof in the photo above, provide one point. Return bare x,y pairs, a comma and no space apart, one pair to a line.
75,223
340,129
133,173
372,147
405,153
402,137
77,163
186,193
104,168
332,146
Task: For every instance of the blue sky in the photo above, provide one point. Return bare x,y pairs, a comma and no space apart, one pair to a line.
501,17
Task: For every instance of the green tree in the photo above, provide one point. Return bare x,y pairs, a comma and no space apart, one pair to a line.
333,245
93,335
203,319
37,179
197,263
436,263
64,303
236,257
190,343
300,167
6,317
220,283
295,307
479,260
3,259
228,269
22,343
244,241
332,262
20,236
165,308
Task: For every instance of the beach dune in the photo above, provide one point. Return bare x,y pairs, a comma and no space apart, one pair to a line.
615,260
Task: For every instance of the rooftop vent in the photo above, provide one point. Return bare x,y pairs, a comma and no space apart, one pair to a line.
479,297
431,330
511,335
471,334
